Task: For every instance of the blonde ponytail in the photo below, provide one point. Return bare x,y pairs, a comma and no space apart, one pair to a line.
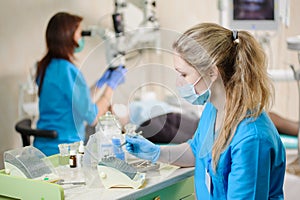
242,64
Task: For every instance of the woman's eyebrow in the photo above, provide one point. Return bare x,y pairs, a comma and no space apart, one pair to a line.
178,70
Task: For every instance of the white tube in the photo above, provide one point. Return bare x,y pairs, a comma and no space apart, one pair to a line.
281,74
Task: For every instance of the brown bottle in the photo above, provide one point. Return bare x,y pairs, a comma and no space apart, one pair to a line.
72,160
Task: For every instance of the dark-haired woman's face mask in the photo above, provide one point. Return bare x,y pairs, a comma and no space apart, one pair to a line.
80,45
79,39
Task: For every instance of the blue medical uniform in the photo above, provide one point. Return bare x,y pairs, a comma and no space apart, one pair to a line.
64,105
251,167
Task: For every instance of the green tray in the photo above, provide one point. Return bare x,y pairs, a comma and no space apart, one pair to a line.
12,187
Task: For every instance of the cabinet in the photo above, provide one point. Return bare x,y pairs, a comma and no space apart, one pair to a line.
183,190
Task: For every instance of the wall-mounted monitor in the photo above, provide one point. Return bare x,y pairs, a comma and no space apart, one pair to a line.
253,14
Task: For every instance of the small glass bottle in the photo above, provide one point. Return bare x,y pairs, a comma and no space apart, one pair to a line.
80,154
72,160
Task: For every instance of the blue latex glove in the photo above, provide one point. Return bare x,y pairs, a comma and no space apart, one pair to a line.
104,78
142,148
116,77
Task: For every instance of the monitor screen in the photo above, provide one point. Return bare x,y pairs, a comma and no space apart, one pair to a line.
253,14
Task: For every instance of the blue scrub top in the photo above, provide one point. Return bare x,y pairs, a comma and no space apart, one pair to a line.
64,105
251,167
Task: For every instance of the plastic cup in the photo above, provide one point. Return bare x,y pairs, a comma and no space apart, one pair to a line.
63,154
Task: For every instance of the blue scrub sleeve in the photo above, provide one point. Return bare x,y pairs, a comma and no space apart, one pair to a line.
194,142
250,158
82,104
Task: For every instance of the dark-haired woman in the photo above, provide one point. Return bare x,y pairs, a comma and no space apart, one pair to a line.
65,101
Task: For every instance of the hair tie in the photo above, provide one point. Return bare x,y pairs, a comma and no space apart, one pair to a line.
235,36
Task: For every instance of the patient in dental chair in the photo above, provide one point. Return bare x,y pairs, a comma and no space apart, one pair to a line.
163,123
171,126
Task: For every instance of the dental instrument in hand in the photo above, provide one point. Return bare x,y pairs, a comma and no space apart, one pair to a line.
132,134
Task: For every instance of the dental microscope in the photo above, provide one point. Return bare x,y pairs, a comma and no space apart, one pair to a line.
122,41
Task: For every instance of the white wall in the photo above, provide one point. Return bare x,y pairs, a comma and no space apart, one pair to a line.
22,29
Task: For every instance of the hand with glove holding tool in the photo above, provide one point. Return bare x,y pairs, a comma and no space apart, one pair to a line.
113,77
142,148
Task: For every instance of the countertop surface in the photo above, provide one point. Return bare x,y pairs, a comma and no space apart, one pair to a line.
155,181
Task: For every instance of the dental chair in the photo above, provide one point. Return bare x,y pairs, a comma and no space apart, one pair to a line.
24,128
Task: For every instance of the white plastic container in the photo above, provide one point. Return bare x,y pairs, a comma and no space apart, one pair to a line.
27,162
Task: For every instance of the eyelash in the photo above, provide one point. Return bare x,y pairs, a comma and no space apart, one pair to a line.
181,73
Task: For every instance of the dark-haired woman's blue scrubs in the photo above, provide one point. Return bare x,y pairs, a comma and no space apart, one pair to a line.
64,105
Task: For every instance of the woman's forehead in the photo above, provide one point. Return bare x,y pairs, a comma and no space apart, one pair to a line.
182,66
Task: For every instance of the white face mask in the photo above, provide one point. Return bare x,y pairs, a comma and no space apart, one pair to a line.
188,92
